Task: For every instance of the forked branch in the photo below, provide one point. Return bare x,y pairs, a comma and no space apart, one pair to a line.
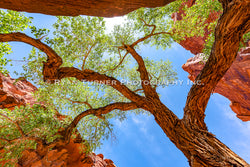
145,82
149,35
53,72
98,112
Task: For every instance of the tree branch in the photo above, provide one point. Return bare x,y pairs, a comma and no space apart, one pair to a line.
21,37
53,72
80,102
148,36
121,61
233,23
149,25
98,112
91,76
87,54
145,81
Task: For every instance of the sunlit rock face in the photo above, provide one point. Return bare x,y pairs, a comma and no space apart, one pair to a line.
103,8
15,93
235,84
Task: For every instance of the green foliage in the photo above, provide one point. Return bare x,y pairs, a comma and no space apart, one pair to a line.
193,22
35,121
10,21
83,40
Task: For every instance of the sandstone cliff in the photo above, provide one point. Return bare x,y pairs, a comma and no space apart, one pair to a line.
15,93
104,8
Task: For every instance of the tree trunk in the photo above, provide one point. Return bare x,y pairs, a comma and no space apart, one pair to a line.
201,148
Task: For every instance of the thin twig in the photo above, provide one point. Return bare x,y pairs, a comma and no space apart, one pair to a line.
80,102
87,54
149,25
118,64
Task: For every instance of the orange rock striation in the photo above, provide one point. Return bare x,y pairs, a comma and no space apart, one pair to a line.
103,8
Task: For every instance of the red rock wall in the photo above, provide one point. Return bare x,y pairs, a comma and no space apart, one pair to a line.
67,155
235,85
103,8
194,44
14,93
18,93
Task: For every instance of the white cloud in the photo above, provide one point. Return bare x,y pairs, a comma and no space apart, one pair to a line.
111,22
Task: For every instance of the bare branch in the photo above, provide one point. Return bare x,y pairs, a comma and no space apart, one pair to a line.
137,90
149,25
148,36
98,112
20,37
121,61
53,72
91,76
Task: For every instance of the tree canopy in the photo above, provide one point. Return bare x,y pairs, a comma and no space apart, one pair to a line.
93,76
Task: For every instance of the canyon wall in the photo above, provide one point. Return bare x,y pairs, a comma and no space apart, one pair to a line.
15,93
235,85
103,8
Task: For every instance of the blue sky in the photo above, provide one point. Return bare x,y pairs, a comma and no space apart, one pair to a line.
140,141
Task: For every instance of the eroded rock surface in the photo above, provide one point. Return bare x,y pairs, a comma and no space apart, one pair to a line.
235,85
15,93
104,8
67,155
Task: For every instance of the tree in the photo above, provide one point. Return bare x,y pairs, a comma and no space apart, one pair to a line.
190,133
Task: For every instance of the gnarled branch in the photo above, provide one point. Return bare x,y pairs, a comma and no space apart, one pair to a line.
53,72
233,23
145,82
98,112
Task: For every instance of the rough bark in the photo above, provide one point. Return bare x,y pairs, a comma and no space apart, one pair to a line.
189,134
233,23
104,8
235,83
201,148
